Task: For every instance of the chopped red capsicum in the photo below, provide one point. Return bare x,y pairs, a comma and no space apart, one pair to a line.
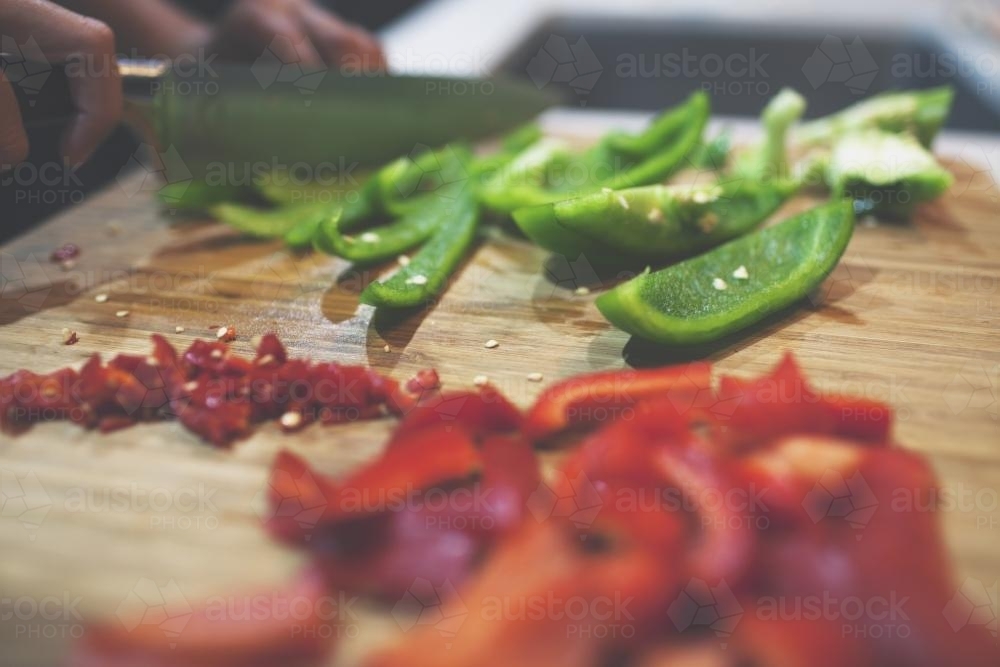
296,626
608,395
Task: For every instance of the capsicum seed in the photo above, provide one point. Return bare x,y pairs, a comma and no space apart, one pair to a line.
719,284
121,313
369,237
291,419
101,298
490,344
741,273
535,377
178,329
387,348
403,260
655,215
480,380
418,279
582,290
622,202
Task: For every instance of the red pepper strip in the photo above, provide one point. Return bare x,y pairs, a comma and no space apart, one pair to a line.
298,498
723,526
478,412
382,556
782,403
539,600
496,503
245,631
840,536
606,396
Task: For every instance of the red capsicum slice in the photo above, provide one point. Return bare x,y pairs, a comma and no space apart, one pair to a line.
211,637
479,413
604,396
783,403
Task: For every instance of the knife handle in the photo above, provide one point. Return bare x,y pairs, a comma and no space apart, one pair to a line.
43,89
44,96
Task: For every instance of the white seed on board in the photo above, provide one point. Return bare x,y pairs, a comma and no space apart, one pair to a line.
480,380
121,313
535,377
101,298
582,291
490,344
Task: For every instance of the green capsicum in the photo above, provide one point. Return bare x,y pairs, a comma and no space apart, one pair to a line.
268,223
735,285
427,273
884,173
656,222
917,112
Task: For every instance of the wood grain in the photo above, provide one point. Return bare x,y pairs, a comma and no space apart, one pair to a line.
911,316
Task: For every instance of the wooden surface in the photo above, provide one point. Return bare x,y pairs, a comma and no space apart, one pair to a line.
911,316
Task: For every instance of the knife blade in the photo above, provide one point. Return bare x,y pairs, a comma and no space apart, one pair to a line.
230,113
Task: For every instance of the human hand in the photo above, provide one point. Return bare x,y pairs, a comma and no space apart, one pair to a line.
62,36
298,31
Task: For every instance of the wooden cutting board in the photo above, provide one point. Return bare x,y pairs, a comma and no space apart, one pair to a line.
911,316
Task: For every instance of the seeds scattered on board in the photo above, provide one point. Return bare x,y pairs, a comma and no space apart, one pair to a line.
490,344
291,420
581,291
69,337
480,380
403,260
719,284
226,334
178,329
535,377
101,298
418,279
122,313
741,273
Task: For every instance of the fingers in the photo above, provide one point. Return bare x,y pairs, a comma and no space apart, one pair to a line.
340,43
13,140
251,27
96,93
87,47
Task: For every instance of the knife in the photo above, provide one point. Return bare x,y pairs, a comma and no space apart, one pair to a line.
278,114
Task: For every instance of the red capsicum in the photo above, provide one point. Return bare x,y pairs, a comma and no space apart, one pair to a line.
608,395
299,627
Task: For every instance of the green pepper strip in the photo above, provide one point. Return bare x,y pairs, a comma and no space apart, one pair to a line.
735,285
427,273
198,195
268,223
655,222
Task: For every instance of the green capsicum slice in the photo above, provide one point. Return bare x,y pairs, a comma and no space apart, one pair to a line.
427,273
735,285
198,195
885,173
268,223
376,244
769,159
656,222
920,113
